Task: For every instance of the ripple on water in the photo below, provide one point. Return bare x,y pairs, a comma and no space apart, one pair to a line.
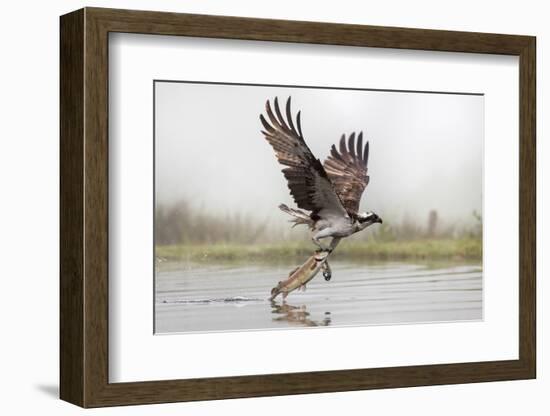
222,298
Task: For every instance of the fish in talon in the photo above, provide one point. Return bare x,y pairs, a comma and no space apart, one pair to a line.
327,195
300,276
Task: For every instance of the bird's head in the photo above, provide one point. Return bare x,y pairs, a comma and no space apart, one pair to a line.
368,218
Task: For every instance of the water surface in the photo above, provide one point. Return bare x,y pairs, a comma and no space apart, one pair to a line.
190,298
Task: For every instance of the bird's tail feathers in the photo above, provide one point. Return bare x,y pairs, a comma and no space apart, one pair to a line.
300,217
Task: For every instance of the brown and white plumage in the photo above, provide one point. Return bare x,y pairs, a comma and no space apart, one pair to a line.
332,192
307,180
347,170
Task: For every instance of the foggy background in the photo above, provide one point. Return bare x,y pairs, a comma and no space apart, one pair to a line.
212,160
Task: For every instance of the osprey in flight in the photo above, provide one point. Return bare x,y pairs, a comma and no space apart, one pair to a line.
331,191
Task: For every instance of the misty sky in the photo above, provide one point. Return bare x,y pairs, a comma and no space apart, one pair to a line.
425,149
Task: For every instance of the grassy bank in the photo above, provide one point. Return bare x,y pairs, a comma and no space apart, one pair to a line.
424,249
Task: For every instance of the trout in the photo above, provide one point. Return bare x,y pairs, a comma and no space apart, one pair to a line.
301,275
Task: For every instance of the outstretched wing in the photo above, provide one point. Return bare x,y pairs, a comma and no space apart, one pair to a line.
307,180
347,170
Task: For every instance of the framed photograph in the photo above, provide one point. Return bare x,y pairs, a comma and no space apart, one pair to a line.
255,207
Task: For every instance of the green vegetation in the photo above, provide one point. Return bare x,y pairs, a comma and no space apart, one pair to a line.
421,249
185,233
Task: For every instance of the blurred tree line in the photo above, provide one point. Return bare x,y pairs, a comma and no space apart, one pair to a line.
179,223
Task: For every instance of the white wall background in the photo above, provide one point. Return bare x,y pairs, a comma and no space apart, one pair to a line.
29,210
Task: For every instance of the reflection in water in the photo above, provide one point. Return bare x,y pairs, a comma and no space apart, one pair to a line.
296,315
234,297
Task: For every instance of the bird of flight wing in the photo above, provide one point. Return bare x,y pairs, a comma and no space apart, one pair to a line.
347,171
334,189
307,180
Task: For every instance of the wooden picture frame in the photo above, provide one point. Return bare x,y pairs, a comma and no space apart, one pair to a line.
84,207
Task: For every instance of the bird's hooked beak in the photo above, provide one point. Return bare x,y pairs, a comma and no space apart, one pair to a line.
378,220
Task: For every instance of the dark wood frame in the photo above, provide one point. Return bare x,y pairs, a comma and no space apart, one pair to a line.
84,207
